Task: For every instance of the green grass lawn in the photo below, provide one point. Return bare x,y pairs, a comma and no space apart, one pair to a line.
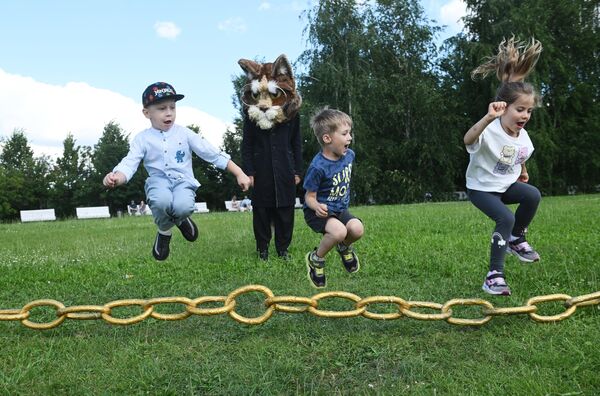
422,252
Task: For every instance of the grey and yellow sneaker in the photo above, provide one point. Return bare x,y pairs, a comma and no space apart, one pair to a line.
522,250
496,284
316,269
349,258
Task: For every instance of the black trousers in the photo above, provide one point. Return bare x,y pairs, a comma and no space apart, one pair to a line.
282,220
494,206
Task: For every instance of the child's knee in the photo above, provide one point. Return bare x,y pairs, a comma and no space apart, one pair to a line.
338,233
506,220
535,196
355,228
182,211
160,204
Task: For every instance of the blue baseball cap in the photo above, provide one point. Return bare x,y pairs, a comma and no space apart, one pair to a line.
158,92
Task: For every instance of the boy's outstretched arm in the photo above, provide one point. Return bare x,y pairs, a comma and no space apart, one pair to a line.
114,179
242,180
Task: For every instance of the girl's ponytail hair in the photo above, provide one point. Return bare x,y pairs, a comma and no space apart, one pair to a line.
515,61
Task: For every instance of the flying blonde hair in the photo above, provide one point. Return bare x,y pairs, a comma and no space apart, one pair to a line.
515,60
513,63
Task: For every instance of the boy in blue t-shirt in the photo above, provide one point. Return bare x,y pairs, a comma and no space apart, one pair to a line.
327,185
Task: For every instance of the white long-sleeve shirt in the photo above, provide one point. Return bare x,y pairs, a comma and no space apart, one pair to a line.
169,154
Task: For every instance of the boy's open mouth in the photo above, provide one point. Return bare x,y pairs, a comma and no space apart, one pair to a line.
520,124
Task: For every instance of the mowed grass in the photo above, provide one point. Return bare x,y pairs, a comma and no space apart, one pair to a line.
422,252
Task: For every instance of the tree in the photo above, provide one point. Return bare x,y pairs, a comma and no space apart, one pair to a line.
26,176
111,148
69,176
564,129
375,62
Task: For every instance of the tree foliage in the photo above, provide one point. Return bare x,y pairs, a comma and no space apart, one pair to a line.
410,101
565,128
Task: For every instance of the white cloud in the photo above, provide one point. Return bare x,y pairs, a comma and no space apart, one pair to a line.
48,113
167,30
450,14
235,24
265,5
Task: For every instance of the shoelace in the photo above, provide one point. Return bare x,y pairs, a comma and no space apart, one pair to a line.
524,246
497,282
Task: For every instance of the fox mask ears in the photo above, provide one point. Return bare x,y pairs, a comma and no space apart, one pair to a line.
278,73
254,70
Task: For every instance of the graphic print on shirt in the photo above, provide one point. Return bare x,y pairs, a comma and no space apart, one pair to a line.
341,180
179,156
505,162
522,156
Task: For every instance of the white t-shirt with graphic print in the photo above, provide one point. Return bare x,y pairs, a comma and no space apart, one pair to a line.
496,158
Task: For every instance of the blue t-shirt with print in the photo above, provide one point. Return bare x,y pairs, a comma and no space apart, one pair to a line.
330,180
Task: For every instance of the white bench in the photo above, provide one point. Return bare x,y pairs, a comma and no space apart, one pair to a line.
298,204
461,195
200,207
38,215
93,212
230,208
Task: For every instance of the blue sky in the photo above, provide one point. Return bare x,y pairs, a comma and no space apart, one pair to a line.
72,66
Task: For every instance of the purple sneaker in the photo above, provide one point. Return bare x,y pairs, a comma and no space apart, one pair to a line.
523,250
496,284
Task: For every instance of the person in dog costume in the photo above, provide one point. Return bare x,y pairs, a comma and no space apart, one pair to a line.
272,150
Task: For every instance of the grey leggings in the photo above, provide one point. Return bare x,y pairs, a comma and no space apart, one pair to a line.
494,206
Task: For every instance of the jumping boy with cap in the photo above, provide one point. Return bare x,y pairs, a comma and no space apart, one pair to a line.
166,150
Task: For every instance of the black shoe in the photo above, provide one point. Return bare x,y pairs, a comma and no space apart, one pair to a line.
160,250
263,255
349,258
316,271
188,229
284,255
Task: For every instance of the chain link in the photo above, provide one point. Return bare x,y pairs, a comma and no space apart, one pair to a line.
293,304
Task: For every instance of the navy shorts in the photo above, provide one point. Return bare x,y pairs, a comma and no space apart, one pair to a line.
317,224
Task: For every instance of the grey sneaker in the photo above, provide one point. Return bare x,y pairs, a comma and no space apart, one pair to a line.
522,250
349,258
316,271
496,284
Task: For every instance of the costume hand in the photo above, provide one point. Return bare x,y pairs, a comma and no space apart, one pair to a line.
321,210
110,180
244,182
296,179
496,109
524,177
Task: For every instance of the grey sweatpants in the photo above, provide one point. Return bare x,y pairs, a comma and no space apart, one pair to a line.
493,204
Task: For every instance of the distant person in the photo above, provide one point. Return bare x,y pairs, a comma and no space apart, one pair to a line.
327,186
246,204
166,150
235,204
143,208
499,145
132,208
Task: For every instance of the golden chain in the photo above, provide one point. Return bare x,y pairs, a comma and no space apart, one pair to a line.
292,304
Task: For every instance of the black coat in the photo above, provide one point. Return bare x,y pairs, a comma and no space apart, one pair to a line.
273,157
